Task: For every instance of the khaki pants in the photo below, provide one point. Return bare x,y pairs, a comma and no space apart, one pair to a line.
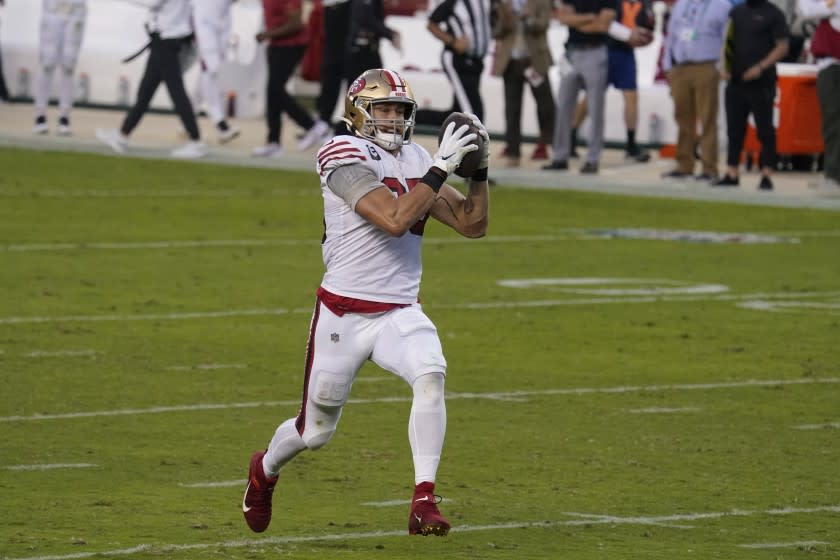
694,88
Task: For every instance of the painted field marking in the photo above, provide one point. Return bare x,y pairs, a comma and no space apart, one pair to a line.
161,549
174,193
58,353
494,396
224,243
828,425
472,306
221,484
795,544
664,410
207,367
47,467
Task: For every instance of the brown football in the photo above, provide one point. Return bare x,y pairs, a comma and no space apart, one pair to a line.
469,165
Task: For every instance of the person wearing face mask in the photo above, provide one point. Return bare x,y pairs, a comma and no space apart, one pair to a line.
756,39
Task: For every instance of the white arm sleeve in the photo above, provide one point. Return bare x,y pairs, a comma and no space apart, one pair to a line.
813,9
352,182
619,32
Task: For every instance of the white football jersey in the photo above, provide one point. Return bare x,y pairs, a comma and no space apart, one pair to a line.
361,260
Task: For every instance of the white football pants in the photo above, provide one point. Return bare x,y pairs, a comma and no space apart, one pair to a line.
62,31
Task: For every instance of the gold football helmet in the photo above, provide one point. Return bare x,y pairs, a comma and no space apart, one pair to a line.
380,86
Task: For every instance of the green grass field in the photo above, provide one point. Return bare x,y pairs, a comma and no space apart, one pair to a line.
616,388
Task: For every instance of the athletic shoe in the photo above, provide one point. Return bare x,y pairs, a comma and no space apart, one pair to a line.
556,166
726,181
425,518
113,138
540,152
191,150
256,504
227,133
765,184
40,126
676,174
316,133
706,177
272,149
589,168
64,127
637,154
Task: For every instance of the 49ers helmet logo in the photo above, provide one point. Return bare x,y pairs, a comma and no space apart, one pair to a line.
357,86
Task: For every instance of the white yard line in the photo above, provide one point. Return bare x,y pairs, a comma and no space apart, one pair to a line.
207,367
664,410
826,426
47,467
589,520
58,353
494,396
794,544
221,484
472,306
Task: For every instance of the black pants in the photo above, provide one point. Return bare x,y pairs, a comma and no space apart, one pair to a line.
828,84
360,59
740,100
464,73
514,79
282,61
336,28
4,92
163,65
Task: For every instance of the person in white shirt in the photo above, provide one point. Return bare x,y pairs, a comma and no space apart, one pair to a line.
212,21
170,28
62,31
379,190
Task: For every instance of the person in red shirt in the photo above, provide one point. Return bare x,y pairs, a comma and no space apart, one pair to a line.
287,38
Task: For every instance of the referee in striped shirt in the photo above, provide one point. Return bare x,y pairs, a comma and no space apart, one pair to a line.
464,28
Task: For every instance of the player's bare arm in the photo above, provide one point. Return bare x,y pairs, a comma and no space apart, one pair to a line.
395,215
465,214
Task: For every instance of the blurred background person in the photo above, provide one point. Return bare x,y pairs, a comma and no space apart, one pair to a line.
757,38
696,30
463,26
825,46
336,30
522,57
212,32
170,30
62,31
586,52
367,27
4,92
632,28
286,35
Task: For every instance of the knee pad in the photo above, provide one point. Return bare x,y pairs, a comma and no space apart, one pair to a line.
428,390
328,393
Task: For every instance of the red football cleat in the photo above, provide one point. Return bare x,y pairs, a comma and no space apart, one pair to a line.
425,518
540,152
256,505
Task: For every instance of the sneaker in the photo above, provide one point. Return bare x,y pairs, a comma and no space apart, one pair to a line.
40,126
676,174
64,127
556,166
272,149
706,177
726,181
637,154
425,518
191,150
589,168
540,152
256,504
765,184
113,138
227,133
316,133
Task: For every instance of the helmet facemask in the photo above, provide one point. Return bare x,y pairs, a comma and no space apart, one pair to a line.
390,134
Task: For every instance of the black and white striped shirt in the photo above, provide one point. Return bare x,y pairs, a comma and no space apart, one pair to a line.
466,18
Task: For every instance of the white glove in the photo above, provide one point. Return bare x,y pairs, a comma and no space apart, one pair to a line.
482,131
453,147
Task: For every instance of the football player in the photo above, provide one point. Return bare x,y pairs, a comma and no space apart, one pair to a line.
379,189
62,31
